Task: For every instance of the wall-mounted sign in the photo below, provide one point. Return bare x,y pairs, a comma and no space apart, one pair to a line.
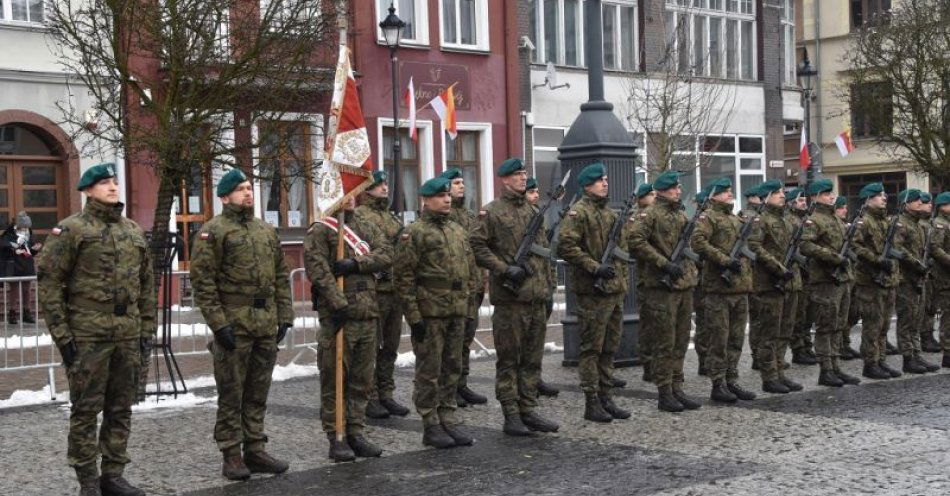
776,164
430,79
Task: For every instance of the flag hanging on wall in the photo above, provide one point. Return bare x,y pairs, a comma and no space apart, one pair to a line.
444,105
410,98
804,159
845,147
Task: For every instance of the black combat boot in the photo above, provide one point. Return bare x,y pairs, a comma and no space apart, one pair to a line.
803,357
116,485
361,447
666,401
375,410
927,342
460,401
545,389
775,386
927,365
848,379
913,366
394,407
827,377
535,422
946,361
687,402
874,371
233,467
460,437
890,370
89,488
619,383
891,349
260,462
594,410
611,408
790,384
849,353
471,397
721,394
435,436
515,427
701,369
740,392
340,451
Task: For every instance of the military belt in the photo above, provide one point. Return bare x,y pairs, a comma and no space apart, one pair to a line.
435,283
118,309
257,301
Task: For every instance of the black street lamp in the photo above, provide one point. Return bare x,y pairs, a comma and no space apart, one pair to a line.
806,75
392,27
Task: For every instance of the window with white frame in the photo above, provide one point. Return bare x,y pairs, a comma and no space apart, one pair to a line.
557,31
741,158
464,24
620,35
415,13
788,40
713,38
292,12
31,11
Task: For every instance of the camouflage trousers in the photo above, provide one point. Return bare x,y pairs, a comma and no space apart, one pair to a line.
876,304
767,320
644,334
359,361
825,299
844,318
387,341
726,317
700,335
601,325
909,313
942,301
928,317
804,318
243,379
101,379
665,316
518,330
790,304
468,339
438,366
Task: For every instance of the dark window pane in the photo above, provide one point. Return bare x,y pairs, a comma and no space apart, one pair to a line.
3,174
4,198
39,198
43,220
750,145
39,175
719,144
16,140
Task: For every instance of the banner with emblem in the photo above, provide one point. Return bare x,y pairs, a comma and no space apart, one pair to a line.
347,170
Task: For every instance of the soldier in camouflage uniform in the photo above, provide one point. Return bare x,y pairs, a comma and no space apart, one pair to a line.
467,219
519,322
753,199
374,209
844,312
532,195
434,268
822,241
355,310
646,196
800,341
929,312
665,311
97,294
240,284
727,303
874,297
754,202
700,334
581,243
940,249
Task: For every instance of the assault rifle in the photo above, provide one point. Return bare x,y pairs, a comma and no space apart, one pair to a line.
792,256
841,271
528,244
612,250
890,252
560,216
926,258
740,249
682,249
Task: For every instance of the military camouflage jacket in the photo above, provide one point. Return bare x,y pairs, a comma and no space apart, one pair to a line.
376,211
821,243
869,245
769,245
237,258
93,261
467,219
717,230
655,233
796,216
940,251
912,236
433,269
359,290
501,226
582,241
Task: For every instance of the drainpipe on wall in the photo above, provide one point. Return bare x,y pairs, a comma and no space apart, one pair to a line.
819,113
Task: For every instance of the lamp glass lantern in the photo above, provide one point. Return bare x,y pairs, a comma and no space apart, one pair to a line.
392,27
806,73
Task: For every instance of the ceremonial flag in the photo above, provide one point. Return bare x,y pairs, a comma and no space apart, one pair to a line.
410,97
845,147
803,158
444,105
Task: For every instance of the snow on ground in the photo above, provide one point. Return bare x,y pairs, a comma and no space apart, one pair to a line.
22,397
552,347
16,342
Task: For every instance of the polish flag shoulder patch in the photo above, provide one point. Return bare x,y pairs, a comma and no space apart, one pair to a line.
206,236
58,230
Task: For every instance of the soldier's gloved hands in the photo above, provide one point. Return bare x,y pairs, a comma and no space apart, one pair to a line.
549,306
282,331
674,270
515,274
735,266
225,337
345,267
606,271
887,265
338,317
69,352
418,331
842,261
921,267
788,275
145,346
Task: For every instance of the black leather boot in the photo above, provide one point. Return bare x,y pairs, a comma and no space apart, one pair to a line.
233,467
667,402
458,435
740,392
340,451
594,411
848,379
515,427
471,397
89,488
545,389
260,462
375,410
611,408
721,394
775,386
790,384
874,371
827,377
535,422
927,342
435,436
394,407
687,402
913,366
890,370
927,365
116,485
363,448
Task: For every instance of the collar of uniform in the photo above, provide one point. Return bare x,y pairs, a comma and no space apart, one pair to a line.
597,201
238,213
667,203
825,209
723,207
104,211
434,217
381,203
512,196
778,210
879,212
799,213
458,202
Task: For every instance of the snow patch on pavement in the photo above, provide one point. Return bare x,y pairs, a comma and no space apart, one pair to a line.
552,347
23,397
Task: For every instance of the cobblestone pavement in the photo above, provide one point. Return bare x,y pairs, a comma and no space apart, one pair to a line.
882,437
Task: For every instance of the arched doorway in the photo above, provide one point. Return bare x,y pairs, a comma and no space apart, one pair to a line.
33,178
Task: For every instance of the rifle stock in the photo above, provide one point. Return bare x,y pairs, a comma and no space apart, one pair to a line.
528,245
841,272
792,256
612,250
740,249
682,249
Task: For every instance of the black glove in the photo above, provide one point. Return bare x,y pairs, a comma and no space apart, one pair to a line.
887,265
674,270
920,267
515,274
735,266
69,352
345,267
225,337
606,271
145,346
282,331
418,331
338,318
788,275
549,306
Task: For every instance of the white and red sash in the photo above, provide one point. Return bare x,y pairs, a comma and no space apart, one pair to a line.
358,246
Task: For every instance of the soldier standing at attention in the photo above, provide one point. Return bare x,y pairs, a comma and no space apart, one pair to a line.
519,322
355,309
532,196
753,198
845,313
433,269
467,219
374,209
581,243
241,285
940,248
700,334
97,294
800,341
646,196
727,303
665,312
822,241
928,317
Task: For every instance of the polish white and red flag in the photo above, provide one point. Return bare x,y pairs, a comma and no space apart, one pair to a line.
410,97
804,159
845,146
444,106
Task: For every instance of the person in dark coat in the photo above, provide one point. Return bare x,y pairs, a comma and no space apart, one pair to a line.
17,249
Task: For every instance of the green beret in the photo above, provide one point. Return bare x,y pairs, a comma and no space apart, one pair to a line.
909,195
452,173
719,185
925,197
793,194
700,197
841,201
510,166
531,184
591,174
379,177
820,186
666,180
229,181
435,186
769,187
870,190
753,191
644,190
942,199
95,174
